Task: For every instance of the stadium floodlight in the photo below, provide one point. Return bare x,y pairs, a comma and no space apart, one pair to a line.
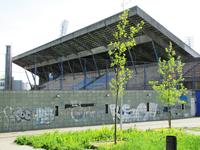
64,27
125,3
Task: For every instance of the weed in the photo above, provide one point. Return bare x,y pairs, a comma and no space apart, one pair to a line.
131,139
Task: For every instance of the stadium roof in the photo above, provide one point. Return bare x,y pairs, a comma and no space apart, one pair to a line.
94,40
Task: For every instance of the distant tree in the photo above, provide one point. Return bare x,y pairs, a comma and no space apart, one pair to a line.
124,39
170,88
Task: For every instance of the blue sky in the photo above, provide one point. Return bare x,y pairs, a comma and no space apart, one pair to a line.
26,24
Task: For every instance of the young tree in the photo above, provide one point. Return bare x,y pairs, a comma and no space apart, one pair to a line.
170,88
124,39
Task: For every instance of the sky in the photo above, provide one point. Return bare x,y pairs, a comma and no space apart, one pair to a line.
26,24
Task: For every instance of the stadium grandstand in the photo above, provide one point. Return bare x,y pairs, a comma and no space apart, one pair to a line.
80,60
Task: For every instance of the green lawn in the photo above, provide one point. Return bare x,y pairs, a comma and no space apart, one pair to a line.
130,139
194,129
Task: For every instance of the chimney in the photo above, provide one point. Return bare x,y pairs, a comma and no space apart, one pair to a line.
8,69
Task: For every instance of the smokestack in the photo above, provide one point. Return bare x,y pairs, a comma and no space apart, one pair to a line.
8,69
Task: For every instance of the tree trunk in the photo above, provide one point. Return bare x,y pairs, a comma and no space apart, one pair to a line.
115,132
169,117
117,97
121,118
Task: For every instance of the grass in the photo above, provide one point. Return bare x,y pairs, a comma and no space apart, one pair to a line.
197,129
100,139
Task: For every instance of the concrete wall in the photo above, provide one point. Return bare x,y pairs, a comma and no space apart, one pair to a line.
23,110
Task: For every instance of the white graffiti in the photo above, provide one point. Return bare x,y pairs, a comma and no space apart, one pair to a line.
5,113
44,115
22,115
135,114
81,113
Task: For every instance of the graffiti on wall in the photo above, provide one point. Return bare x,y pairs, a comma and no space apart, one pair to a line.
22,115
44,115
79,112
140,113
5,113
41,115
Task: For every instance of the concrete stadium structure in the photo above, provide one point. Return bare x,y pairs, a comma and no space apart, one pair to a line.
82,56
74,73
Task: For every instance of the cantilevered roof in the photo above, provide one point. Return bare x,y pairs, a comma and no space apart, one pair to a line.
95,38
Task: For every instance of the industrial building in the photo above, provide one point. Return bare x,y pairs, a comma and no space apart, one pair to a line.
17,85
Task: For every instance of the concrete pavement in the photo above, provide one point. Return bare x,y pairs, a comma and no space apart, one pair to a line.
7,139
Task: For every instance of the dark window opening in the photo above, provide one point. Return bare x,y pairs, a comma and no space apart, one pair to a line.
68,106
87,105
182,106
147,106
106,111
56,111
165,109
79,105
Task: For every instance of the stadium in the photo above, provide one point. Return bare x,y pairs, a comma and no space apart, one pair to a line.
80,60
74,73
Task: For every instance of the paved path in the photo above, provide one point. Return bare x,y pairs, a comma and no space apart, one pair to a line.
7,139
